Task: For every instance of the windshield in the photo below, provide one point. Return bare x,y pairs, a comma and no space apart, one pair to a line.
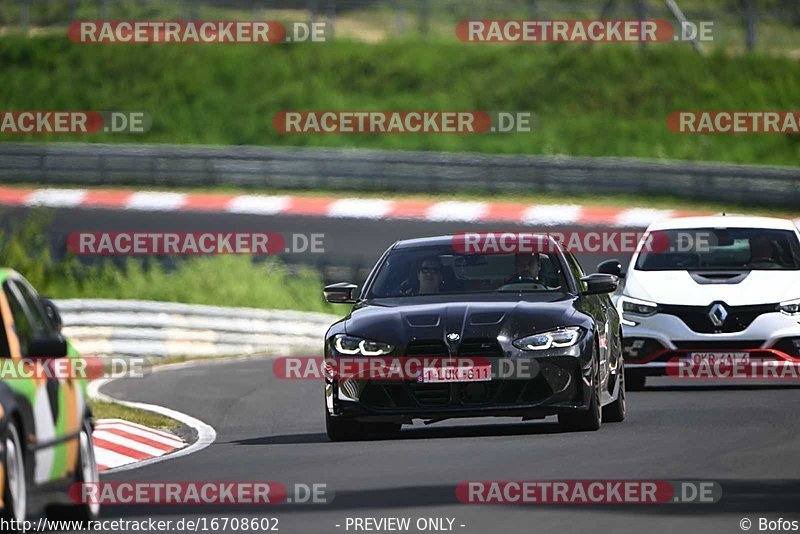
433,270
712,249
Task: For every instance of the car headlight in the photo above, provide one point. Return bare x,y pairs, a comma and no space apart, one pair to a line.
790,307
634,306
350,345
561,337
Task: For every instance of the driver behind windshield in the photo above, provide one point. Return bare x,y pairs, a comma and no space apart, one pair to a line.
430,275
761,253
526,268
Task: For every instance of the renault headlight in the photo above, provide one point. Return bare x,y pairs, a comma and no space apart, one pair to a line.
561,337
790,307
351,345
630,305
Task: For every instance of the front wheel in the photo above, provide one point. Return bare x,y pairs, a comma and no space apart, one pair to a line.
587,420
341,429
15,496
85,473
615,412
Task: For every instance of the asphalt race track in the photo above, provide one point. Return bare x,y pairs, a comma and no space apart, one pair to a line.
744,437
268,429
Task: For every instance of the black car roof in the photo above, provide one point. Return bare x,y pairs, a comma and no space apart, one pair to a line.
438,240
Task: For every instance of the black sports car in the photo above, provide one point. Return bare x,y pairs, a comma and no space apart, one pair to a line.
428,299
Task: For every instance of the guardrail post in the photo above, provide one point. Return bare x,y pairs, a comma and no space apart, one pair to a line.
751,21
641,14
424,16
399,17
532,9
330,23
312,6
25,15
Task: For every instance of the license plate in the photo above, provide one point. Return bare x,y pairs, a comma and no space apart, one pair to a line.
731,358
475,373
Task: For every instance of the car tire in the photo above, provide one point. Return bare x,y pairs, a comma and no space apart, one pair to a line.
85,473
343,429
585,420
615,412
16,483
635,381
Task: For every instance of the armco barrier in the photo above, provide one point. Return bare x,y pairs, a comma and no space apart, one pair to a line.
377,170
100,327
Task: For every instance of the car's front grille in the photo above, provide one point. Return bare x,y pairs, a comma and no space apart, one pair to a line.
430,394
471,347
487,348
698,318
427,348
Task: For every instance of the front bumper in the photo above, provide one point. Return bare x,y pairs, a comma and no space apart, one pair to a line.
655,344
552,384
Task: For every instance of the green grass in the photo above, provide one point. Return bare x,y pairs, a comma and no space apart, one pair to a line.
589,101
112,410
225,280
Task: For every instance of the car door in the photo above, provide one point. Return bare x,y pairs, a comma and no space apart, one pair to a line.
51,398
597,306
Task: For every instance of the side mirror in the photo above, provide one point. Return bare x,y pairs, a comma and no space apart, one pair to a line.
599,283
47,347
51,310
611,267
341,293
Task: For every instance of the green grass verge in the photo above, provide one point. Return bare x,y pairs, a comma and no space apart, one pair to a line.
590,101
112,410
225,280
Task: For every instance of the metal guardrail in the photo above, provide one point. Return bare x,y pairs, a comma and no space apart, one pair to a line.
377,170
100,327
401,17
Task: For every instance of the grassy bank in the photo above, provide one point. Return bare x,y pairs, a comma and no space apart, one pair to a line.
112,410
590,101
225,280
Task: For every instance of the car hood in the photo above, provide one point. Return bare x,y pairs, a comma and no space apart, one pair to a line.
402,320
680,287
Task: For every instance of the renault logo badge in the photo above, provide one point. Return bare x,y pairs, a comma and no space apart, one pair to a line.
718,314
453,337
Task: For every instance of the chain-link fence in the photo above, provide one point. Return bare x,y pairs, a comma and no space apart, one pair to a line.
763,25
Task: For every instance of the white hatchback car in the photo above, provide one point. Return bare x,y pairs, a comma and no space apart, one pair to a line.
713,284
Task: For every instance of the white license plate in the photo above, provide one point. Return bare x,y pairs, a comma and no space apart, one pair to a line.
475,373
731,358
